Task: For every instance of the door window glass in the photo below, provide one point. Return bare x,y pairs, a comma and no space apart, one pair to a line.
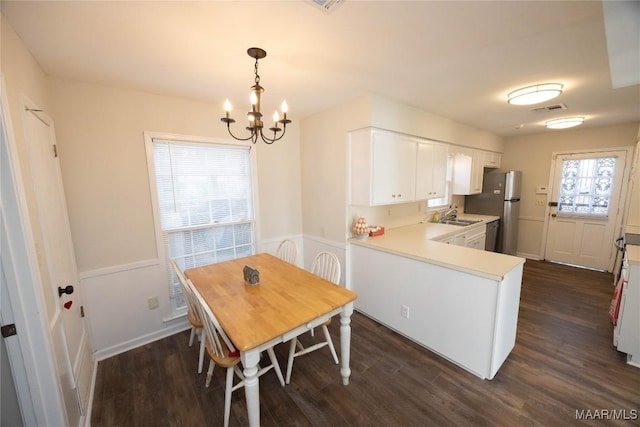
585,186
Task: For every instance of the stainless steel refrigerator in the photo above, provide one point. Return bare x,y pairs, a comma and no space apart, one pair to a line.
501,197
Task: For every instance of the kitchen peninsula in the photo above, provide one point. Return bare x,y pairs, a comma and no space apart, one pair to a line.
459,302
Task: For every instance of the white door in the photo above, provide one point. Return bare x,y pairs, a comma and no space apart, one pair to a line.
583,208
57,266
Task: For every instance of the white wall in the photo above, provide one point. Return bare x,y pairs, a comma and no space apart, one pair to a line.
532,155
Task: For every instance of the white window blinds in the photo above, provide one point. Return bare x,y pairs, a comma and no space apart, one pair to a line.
205,204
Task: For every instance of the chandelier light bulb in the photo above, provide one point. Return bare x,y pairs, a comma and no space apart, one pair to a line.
253,98
284,107
276,116
227,105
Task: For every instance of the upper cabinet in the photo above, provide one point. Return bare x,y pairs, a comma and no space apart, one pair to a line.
492,159
389,168
431,170
468,168
383,167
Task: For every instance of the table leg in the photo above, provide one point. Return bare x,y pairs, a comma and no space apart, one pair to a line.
345,341
250,360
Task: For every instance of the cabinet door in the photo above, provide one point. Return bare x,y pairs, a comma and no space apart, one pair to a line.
424,172
477,170
393,169
440,157
468,168
491,159
476,242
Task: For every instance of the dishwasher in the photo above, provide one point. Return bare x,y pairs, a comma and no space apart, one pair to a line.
492,235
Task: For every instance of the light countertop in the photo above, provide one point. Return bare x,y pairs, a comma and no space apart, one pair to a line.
416,241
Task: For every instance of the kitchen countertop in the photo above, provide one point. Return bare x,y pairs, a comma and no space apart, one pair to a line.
416,241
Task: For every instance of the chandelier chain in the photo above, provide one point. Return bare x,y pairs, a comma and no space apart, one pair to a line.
255,71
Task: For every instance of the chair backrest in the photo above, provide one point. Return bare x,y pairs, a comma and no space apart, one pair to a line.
287,251
186,292
216,336
327,266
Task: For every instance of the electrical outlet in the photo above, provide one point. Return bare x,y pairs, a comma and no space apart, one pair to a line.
404,311
153,303
539,202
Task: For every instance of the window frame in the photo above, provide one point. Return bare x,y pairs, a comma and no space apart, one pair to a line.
172,297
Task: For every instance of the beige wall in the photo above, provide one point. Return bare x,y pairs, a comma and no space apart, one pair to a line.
25,81
100,136
532,155
99,133
326,214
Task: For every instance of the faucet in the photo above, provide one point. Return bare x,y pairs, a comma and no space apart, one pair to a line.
449,214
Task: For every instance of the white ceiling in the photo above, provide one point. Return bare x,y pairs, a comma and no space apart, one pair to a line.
456,59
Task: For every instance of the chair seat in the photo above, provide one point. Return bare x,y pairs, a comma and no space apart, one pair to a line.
228,361
193,320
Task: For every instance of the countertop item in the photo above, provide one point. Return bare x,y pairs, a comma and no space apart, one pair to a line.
416,241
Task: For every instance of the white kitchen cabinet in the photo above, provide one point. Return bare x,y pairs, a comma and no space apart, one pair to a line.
431,170
465,317
468,167
383,167
474,238
628,326
491,159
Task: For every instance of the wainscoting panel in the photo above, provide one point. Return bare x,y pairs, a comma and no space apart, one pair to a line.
530,237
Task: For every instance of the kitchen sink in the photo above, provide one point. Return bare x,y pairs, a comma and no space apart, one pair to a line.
460,222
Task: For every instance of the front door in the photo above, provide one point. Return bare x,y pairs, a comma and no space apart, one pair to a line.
57,266
583,208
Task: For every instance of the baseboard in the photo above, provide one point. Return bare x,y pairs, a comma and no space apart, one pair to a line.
177,327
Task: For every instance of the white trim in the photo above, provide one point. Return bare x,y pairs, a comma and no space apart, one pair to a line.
43,383
119,268
177,327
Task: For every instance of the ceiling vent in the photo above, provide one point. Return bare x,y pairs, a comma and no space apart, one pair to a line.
546,108
326,5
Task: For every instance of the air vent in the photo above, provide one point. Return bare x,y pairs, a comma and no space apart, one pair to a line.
326,5
553,107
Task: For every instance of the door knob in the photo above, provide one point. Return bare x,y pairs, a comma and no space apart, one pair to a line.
553,215
68,290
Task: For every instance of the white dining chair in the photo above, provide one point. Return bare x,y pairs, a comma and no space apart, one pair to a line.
327,266
287,251
223,353
192,314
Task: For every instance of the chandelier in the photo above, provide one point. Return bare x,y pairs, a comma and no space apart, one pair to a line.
254,116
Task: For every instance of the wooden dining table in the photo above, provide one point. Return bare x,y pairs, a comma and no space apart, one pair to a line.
287,302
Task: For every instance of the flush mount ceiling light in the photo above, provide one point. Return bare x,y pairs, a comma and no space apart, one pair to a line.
254,115
564,123
534,94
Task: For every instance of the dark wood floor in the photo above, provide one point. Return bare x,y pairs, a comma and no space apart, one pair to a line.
563,363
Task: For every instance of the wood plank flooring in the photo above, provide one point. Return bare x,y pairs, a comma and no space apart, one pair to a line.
563,363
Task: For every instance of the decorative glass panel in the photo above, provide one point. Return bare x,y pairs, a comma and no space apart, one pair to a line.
585,186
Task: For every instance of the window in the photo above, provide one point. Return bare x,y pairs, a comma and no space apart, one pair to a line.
585,186
204,207
444,201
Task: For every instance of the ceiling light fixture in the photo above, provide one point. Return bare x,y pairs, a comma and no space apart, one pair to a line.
534,94
564,123
255,116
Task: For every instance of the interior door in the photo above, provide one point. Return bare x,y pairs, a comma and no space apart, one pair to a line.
583,208
56,262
